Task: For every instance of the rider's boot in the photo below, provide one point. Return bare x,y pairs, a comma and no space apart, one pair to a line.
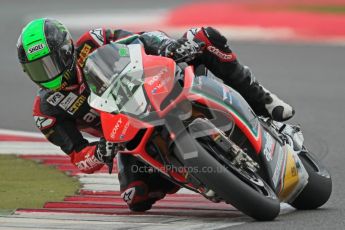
262,101
222,62
140,187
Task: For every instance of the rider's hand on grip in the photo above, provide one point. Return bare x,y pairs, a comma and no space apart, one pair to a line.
183,50
106,152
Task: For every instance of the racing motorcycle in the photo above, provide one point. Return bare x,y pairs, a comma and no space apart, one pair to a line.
201,134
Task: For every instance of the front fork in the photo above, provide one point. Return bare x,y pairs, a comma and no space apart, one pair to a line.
207,132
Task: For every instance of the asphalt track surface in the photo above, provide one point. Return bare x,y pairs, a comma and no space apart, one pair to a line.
309,76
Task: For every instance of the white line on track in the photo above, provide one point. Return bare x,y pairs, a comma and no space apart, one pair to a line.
101,182
92,221
21,133
25,147
29,148
108,182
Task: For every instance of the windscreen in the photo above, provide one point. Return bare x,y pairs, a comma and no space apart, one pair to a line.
104,65
115,82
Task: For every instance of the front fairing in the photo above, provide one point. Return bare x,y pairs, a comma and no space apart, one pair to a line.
136,90
214,91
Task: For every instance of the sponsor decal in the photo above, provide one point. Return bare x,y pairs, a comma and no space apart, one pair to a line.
55,98
163,82
97,35
279,166
67,74
156,77
289,177
124,131
36,48
159,80
269,147
87,163
154,90
220,54
76,105
43,122
68,101
128,195
83,55
153,80
294,171
91,116
116,128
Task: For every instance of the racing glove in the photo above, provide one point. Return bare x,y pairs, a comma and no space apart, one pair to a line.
182,50
93,157
106,152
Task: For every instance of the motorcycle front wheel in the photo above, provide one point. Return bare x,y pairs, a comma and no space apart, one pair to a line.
235,190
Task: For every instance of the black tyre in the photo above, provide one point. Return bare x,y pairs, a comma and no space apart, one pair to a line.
229,187
319,187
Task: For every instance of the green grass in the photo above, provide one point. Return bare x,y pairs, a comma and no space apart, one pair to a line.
27,184
340,9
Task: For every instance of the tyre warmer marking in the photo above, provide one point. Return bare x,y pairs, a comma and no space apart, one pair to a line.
254,136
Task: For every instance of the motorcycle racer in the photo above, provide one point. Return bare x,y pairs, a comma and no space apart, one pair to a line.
51,59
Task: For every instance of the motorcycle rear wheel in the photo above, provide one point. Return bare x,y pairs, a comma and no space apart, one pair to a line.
319,188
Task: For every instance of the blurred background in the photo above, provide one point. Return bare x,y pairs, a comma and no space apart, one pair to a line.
292,46
16,90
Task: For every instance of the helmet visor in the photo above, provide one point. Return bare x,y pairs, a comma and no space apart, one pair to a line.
49,67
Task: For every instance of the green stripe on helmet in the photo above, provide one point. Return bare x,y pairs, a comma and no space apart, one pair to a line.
34,40
53,84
